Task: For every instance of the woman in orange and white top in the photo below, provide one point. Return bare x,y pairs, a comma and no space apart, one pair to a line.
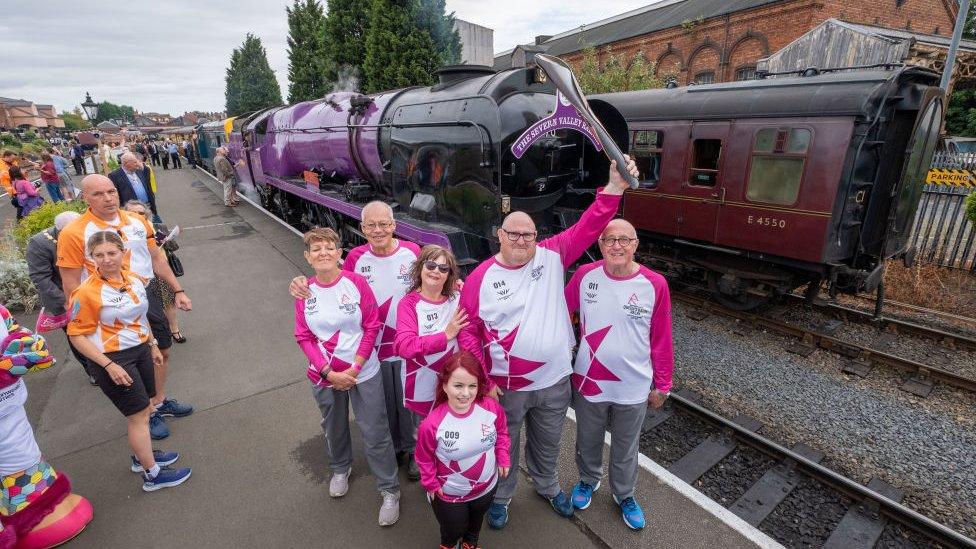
109,326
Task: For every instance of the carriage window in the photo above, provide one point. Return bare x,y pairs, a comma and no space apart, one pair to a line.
704,162
778,156
645,148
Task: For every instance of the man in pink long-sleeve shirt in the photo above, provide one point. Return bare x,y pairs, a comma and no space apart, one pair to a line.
520,328
624,362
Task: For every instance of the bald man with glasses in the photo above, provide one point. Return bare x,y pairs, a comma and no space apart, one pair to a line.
521,331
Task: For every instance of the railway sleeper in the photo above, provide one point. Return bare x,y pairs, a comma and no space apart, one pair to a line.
710,452
863,524
773,487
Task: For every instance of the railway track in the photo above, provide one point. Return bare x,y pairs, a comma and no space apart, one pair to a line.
861,358
872,512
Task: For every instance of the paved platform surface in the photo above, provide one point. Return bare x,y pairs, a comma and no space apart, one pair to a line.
259,471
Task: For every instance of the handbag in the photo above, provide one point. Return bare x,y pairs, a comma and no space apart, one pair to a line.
175,264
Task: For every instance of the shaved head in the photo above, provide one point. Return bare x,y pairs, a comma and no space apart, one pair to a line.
100,195
620,227
520,219
518,252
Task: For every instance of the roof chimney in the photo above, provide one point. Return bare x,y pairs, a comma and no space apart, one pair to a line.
542,38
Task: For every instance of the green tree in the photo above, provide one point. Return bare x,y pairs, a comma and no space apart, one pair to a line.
346,28
110,111
308,61
969,31
961,113
74,121
432,16
399,52
615,75
251,84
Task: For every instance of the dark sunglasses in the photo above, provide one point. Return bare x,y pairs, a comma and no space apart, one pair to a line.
442,267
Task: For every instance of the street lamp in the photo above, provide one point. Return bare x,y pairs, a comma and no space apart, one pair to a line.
91,108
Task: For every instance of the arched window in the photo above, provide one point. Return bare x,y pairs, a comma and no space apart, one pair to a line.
745,73
704,77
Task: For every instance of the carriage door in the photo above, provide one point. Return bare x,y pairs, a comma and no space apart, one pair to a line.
702,190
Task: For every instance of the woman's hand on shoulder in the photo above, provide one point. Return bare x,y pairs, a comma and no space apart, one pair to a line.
456,324
299,288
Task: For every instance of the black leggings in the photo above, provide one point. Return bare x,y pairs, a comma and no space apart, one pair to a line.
462,521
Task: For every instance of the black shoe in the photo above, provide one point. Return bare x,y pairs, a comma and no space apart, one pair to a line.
413,472
179,337
91,379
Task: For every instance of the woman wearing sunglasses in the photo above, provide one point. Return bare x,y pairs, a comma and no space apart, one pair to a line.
428,322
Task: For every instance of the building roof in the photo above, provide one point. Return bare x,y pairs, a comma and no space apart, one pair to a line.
651,18
898,34
15,102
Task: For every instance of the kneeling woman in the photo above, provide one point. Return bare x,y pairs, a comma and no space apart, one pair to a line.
336,329
428,322
109,326
462,449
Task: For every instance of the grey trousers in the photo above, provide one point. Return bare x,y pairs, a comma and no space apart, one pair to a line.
543,412
230,193
367,403
403,422
624,421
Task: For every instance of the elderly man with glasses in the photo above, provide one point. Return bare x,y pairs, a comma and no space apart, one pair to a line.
385,263
625,361
520,329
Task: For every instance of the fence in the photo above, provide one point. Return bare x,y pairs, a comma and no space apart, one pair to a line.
942,233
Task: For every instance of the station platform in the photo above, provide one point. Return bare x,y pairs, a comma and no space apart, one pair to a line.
259,470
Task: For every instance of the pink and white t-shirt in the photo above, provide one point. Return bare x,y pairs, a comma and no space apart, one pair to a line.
421,341
518,314
389,278
460,455
337,323
625,334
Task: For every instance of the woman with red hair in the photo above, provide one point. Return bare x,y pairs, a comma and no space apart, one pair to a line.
462,449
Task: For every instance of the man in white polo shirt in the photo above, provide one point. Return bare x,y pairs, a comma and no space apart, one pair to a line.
519,327
624,362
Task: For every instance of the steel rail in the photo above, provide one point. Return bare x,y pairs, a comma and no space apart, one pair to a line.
909,517
832,343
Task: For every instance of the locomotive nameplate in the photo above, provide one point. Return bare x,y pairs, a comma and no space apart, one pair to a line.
958,178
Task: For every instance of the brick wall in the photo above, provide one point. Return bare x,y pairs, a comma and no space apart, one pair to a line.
724,45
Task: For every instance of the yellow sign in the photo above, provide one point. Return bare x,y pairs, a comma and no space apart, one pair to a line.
958,178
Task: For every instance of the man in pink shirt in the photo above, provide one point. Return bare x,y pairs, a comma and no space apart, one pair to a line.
519,327
624,362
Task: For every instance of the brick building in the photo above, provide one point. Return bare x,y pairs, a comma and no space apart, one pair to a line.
702,41
20,113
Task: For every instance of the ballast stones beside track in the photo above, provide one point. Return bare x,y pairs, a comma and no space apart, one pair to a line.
865,432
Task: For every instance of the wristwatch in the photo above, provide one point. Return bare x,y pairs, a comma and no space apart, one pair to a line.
153,343
325,372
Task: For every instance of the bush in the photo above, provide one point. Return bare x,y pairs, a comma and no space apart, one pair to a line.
971,206
42,218
16,289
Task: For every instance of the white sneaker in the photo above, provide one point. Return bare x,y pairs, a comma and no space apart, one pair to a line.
390,510
339,484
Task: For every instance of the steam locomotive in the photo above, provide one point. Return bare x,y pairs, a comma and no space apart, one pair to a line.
756,187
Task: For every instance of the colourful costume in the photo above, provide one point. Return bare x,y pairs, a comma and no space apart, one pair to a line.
37,508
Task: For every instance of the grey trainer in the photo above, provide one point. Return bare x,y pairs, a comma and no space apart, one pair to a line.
339,484
390,510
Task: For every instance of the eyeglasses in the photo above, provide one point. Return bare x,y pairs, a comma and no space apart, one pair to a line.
624,241
381,225
513,236
442,267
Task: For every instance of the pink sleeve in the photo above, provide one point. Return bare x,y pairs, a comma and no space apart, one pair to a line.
571,243
370,314
472,337
503,442
662,344
306,339
412,247
426,451
349,264
573,290
408,343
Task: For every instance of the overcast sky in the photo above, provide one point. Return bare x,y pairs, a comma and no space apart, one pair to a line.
171,56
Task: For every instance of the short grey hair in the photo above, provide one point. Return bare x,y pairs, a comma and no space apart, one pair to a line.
378,203
64,218
222,150
129,156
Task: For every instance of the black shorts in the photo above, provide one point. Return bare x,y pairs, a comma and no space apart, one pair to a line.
137,362
157,316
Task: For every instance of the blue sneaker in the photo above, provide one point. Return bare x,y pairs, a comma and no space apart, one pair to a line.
167,478
497,516
157,427
562,505
632,513
173,408
583,494
162,459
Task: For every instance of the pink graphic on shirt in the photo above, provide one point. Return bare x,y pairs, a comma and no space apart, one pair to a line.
387,335
328,349
518,367
472,475
586,384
